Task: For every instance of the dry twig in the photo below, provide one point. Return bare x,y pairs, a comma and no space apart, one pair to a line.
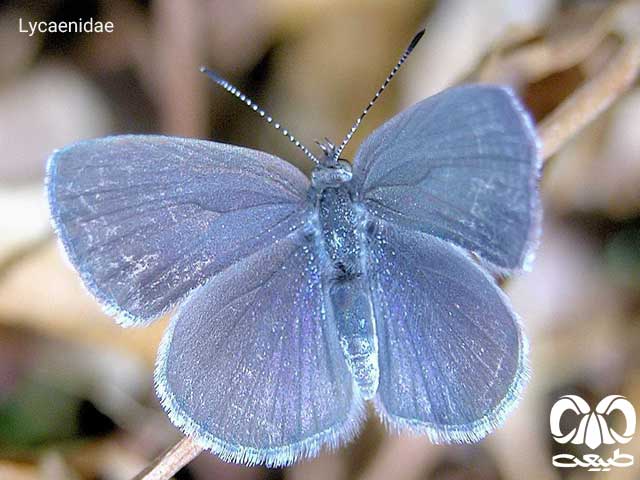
590,99
167,464
564,48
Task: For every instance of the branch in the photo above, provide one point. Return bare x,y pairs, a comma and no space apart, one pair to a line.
168,463
590,99
559,51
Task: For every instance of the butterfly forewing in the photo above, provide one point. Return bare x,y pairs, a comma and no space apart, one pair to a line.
452,353
461,165
146,219
251,365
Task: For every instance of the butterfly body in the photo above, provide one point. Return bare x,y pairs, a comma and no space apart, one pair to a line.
344,253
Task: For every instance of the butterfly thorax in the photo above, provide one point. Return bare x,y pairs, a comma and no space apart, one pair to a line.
342,245
339,231
339,218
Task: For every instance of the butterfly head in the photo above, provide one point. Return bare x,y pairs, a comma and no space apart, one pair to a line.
331,173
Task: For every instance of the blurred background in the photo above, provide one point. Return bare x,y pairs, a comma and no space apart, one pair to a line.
76,397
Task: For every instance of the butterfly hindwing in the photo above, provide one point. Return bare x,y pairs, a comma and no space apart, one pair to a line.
461,165
251,365
146,219
452,353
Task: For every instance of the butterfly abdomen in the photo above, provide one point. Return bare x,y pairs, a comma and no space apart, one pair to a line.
347,285
353,313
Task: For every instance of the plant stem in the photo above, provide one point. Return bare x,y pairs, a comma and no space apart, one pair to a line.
168,463
590,99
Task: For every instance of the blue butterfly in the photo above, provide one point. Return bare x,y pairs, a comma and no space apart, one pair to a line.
301,300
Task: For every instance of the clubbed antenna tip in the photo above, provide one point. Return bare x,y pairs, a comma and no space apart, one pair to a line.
403,58
417,37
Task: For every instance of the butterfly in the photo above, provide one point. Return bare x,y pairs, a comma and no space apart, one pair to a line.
300,300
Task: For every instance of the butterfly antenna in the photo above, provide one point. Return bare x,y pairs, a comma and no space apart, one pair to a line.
403,58
234,91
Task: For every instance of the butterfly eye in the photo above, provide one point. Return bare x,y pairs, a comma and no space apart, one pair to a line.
344,165
344,171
